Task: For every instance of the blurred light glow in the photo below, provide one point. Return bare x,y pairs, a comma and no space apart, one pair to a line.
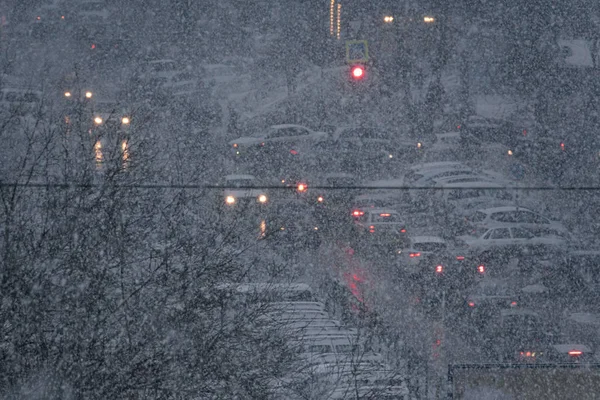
125,120
230,200
428,19
98,121
88,95
262,198
67,94
388,19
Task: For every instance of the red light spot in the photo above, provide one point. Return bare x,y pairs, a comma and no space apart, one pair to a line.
358,213
402,230
93,46
301,187
355,277
385,215
457,126
524,132
358,72
412,255
439,269
574,353
438,342
513,303
562,146
528,354
294,152
471,304
481,269
460,258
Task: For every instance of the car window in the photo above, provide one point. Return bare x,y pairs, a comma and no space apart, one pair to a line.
520,233
459,194
500,233
479,216
504,216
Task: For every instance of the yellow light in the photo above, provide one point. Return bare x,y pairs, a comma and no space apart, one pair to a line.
67,94
98,121
428,19
125,149
388,19
125,120
339,20
230,200
235,145
331,16
301,187
263,228
98,152
262,198
88,95
316,228
510,152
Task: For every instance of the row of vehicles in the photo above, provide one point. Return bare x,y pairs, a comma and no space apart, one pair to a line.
326,359
444,226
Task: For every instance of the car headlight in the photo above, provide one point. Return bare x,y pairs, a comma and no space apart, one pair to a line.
262,198
230,200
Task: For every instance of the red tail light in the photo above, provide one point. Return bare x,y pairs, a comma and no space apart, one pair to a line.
412,255
439,269
562,146
513,303
358,213
481,269
385,215
294,152
575,353
301,187
372,228
403,230
471,304
460,258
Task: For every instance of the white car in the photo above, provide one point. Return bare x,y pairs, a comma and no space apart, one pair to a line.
287,133
509,215
379,220
463,197
503,237
243,189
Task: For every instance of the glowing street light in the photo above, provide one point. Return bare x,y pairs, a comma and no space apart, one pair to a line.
98,121
388,19
125,120
88,95
428,20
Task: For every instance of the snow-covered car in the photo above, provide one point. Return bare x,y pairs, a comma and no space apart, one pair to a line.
509,215
375,220
449,168
424,254
281,134
507,240
489,296
243,190
463,197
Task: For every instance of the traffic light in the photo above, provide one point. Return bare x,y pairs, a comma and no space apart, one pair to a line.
357,72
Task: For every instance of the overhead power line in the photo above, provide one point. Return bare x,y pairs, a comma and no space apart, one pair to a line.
157,186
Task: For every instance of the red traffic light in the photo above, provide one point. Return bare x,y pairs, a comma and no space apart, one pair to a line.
358,72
